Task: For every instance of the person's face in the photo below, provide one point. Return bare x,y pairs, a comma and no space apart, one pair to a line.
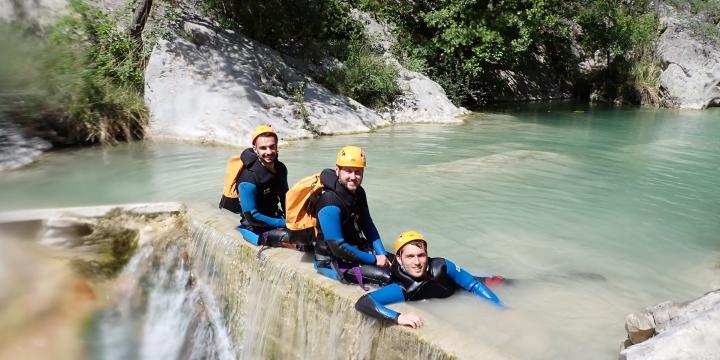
266,149
413,260
350,177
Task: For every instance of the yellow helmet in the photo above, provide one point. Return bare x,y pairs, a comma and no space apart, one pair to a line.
263,129
406,237
351,156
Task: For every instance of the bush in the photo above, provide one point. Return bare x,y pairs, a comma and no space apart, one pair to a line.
84,83
365,77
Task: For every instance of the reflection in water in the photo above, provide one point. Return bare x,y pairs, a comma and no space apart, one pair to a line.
629,195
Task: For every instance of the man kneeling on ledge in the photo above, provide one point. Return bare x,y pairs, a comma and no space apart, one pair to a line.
416,276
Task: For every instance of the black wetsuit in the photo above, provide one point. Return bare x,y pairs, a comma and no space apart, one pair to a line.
262,200
442,278
348,240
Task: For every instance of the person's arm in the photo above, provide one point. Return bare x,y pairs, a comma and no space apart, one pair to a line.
373,305
247,193
329,218
249,236
466,281
372,234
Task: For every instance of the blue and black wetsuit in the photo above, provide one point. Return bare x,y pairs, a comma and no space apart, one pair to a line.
262,200
442,279
348,240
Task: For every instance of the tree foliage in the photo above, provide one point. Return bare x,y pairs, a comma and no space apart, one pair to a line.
85,82
462,42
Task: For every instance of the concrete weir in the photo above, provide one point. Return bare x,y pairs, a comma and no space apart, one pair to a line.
279,307
222,301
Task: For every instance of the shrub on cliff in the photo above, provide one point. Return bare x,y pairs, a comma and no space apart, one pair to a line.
314,30
365,77
83,84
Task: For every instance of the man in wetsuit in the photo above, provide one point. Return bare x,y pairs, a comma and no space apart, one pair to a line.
261,187
416,276
348,246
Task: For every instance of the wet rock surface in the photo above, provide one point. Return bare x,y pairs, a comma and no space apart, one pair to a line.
17,149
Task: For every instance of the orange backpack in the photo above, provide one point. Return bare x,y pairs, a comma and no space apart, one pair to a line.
230,199
300,203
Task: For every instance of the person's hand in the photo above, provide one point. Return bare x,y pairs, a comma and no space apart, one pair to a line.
410,320
382,261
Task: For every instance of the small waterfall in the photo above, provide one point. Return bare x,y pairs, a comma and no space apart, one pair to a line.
161,312
208,297
273,311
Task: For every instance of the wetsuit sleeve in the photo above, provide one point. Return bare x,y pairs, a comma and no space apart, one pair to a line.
249,236
247,193
330,220
372,234
466,281
373,304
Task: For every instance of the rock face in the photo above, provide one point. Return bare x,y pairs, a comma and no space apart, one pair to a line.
217,86
675,331
17,149
423,99
213,85
691,79
39,13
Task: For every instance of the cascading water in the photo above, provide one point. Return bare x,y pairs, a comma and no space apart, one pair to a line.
272,310
162,312
208,296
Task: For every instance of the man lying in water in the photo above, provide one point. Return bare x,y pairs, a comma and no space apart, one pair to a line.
416,276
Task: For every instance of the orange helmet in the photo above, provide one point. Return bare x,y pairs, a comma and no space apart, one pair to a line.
406,237
351,156
263,129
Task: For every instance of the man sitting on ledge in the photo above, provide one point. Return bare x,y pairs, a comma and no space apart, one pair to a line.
348,246
416,276
262,187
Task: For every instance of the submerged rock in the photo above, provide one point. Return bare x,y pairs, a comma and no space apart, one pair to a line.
670,330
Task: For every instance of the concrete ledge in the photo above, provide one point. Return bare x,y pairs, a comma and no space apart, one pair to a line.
281,307
89,211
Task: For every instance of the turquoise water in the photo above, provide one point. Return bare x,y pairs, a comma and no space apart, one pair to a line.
597,212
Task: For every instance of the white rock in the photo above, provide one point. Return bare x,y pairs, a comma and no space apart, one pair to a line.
218,86
684,331
40,13
691,79
423,100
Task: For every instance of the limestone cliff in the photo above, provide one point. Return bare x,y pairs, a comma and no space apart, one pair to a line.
691,75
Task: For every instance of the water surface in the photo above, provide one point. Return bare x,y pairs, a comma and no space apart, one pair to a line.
597,212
